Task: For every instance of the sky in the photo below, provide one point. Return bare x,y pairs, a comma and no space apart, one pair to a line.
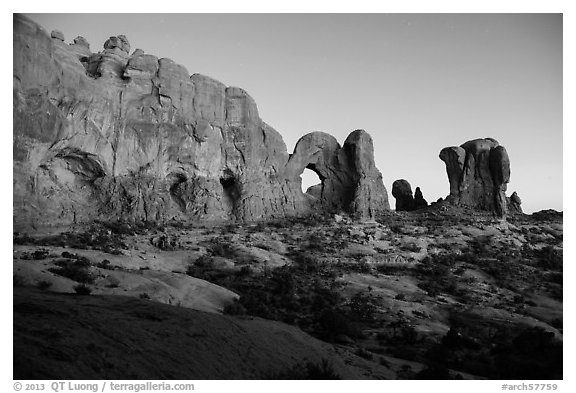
415,82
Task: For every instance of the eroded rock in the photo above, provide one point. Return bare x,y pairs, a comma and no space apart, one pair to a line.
419,201
478,172
110,135
402,191
57,34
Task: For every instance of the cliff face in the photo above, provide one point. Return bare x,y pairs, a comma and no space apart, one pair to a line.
114,135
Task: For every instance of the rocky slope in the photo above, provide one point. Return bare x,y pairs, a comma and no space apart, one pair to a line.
115,337
127,136
416,292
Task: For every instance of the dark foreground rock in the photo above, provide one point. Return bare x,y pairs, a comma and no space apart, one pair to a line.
110,135
115,337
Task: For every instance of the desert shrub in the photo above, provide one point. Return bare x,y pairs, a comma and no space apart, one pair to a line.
244,271
219,250
316,243
234,308
400,296
557,323
283,282
105,264
532,354
434,372
362,307
82,262
21,239
408,334
554,277
363,353
40,254
95,238
452,339
204,261
76,271
18,280
310,371
411,247
305,262
391,270
363,267
323,298
332,323
82,289
165,243
43,285
549,258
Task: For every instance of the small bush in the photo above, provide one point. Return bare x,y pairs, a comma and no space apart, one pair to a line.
363,353
78,273
105,264
332,323
550,258
400,296
43,285
83,290
434,372
362,307
234,308
311,371
40,254
410,247
18,280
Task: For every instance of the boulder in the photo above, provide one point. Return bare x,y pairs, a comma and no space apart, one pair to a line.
120,42
57,34
81,41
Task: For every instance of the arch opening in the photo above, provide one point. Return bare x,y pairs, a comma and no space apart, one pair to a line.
311,181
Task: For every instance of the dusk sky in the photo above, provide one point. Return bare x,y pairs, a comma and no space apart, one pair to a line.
415,82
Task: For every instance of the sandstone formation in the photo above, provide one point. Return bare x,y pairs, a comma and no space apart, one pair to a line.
110,135
57,34
419,201
405,201
402,191
514,203
478,172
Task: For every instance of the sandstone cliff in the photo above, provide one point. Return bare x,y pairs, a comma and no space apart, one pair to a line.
114,135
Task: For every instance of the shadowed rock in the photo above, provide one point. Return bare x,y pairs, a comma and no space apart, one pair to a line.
478,172
419,201
111,136
514,203
402,191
